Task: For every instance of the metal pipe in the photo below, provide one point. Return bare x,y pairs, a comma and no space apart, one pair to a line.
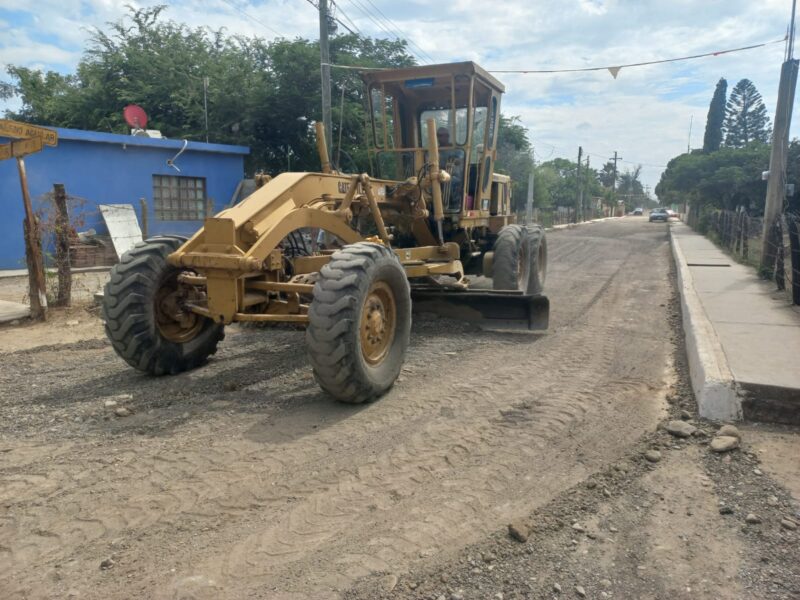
376,211
322,148
435,177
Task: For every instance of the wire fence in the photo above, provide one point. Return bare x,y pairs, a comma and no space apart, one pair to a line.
741,235
563,215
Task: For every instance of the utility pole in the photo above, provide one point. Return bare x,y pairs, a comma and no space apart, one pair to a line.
776,184
529,202
589,200
579,199
325,65
614,183
205,103
689,143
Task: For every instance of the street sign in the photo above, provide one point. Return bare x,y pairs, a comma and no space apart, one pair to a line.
15,129
21,148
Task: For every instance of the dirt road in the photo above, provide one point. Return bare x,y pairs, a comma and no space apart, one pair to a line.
242,479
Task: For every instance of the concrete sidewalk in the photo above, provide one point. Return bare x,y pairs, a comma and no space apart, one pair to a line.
743,342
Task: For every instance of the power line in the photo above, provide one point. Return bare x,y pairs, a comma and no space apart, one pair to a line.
357,30
396,29
346,16
365,11
614,69
252,18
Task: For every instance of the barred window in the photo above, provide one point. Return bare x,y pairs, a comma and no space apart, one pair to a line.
179,198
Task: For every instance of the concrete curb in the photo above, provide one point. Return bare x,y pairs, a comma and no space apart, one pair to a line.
717,393
571,225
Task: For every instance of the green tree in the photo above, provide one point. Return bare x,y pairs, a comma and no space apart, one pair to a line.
514,157
606,175
261,94
746,118
630,187
728,178
712,139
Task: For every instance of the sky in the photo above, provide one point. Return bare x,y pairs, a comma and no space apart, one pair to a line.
644,114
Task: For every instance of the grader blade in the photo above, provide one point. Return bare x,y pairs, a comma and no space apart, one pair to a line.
490,309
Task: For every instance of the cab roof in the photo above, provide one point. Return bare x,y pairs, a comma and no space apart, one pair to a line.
468,68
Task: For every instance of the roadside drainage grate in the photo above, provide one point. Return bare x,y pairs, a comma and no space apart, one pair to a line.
705,265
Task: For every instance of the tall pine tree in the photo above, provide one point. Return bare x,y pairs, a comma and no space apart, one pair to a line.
716,117
746,118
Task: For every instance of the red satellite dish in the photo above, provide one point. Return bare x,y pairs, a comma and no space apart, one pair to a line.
135,116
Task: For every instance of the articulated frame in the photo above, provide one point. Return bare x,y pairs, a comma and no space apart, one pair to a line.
240,264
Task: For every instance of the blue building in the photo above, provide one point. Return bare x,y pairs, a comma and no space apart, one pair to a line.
107,168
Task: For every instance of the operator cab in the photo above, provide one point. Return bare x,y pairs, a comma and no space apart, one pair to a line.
464,101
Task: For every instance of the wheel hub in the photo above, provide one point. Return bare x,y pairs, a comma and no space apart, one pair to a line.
378,323
173,320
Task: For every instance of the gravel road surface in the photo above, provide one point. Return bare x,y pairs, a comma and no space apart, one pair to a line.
243,480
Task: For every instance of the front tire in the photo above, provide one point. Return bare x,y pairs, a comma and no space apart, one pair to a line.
520,259
142,303
359,322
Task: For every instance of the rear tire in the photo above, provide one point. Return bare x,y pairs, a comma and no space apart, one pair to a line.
520,259
359,322
135,322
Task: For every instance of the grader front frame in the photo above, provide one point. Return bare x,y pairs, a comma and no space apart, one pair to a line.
443,216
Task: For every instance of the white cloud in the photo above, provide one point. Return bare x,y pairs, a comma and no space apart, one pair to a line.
644,113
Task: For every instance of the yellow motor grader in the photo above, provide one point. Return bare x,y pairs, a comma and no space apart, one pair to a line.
433,222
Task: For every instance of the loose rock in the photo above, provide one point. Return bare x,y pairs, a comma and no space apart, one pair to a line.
680,429
107,563
788,524
686,415
606,583
725,510
518,532
122,412
556,588
389,582
580,591
653,456
753,519
578,527
724,443
730,430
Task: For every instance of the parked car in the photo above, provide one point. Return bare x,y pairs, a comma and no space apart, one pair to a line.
638,212
671,213
659,214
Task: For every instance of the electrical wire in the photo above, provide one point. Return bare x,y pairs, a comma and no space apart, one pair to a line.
339,21
366,12
252,18
349,20
638,64
605,68
395,28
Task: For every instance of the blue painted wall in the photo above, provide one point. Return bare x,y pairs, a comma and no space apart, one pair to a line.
106,168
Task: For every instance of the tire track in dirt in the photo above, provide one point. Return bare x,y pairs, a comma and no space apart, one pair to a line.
291,502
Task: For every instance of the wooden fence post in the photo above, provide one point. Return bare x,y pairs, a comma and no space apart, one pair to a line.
64,296
143,205
37,291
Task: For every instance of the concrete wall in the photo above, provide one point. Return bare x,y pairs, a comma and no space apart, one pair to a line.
106,168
